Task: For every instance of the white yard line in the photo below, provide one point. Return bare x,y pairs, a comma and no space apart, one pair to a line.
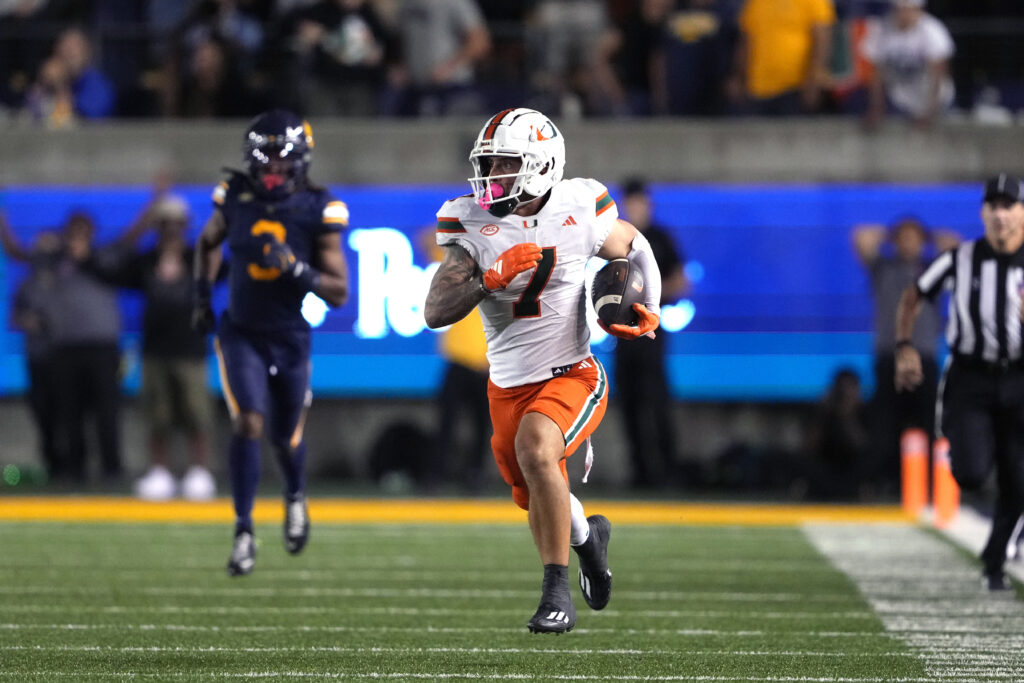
36,608
447,650
443,630
402,567
478,676
959,630
381,593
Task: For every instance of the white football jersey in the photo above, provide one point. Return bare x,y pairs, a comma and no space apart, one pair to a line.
536,328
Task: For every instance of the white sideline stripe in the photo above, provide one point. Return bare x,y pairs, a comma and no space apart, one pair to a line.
417,593
970,530
420,611
693,632
957,628
477,676
446,650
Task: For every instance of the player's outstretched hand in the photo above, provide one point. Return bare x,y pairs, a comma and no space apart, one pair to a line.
647,324
512,261
277,255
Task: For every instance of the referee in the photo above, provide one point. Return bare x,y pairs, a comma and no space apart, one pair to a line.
982,392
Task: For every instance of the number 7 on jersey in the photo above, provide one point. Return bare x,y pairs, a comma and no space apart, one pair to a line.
528,305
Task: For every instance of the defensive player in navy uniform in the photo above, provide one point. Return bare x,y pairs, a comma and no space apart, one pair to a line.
284,238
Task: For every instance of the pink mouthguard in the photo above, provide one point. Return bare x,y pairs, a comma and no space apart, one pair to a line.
494,190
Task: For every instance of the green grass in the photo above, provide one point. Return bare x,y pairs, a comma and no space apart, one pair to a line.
153,602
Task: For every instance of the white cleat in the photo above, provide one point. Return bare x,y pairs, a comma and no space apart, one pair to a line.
296,525
198,484
156,484
243,555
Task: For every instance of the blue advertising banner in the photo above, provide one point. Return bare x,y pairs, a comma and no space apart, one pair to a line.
778,302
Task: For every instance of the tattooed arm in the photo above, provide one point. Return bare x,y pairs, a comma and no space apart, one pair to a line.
456,289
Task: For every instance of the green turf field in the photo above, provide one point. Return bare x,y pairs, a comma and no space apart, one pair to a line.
433,602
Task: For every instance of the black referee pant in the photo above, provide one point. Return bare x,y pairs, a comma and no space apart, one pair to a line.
983,418
463,398
89,386
642,391
893,411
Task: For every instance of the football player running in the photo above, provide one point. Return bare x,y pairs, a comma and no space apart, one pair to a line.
518,248
283,235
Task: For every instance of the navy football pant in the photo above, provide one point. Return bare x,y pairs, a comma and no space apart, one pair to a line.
265,373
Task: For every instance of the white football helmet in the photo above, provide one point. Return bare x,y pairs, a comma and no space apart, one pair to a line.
528,135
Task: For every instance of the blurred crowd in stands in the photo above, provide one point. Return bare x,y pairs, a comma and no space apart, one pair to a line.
64,60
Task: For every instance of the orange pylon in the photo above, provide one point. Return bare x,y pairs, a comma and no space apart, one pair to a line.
914,466
945,491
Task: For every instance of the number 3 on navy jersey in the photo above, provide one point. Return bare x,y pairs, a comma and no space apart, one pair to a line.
528,305
278,233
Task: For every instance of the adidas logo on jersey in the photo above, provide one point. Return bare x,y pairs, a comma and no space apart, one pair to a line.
570,221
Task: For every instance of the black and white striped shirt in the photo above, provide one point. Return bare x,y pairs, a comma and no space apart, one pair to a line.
984,303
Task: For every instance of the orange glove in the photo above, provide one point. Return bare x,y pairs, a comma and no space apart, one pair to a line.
647,324
513,261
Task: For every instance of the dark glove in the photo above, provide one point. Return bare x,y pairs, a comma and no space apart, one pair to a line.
279,255
202,309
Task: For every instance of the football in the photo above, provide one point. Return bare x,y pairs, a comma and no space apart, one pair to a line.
617,286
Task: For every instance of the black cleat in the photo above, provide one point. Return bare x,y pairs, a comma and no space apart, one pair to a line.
556,613
552,618
243,555
595,577
995,582
296,525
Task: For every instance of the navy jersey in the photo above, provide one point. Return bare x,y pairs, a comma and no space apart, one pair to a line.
260,298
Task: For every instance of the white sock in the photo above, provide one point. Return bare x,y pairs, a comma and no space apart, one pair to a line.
580,530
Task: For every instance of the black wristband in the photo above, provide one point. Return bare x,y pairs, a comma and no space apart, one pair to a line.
305,276
901,343
202,289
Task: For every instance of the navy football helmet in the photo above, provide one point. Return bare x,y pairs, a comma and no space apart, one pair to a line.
277,152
